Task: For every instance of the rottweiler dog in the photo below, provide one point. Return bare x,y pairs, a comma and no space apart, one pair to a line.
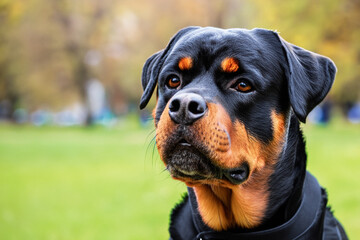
229,103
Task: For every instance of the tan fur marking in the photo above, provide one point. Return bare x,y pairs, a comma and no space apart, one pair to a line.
230,65
164,129
212,209
153,114
185,63
221,204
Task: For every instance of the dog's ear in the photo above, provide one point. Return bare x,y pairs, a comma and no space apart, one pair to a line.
149,77
310,77
153,66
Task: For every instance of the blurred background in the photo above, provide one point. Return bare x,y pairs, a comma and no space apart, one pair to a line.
77,157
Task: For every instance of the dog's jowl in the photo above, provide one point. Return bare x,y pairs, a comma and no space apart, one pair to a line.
227,118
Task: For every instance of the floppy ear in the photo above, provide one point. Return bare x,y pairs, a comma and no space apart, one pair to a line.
149,78
153,66
310,77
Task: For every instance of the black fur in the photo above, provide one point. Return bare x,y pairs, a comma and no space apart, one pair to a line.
310,77
286,182
153,66
286,78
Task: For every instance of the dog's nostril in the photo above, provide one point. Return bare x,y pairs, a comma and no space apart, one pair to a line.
196,107
174,105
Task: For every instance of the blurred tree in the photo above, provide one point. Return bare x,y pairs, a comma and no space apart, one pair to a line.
9,95
328,27
50,49
37,68
80,22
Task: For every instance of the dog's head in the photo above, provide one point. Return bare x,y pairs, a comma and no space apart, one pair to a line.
224,98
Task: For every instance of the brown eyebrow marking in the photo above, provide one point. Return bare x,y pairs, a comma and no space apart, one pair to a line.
185,63
230,65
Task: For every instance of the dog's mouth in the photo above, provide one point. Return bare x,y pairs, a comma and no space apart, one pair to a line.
184,143
189,162
186,161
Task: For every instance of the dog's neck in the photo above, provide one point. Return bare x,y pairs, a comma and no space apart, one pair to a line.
286,183
269,200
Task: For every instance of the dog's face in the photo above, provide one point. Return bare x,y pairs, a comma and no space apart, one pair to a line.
221,110
224,98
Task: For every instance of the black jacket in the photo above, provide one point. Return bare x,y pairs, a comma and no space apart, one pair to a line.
313,220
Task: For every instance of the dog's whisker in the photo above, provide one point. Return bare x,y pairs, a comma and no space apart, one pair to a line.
149,145
153,141
150,133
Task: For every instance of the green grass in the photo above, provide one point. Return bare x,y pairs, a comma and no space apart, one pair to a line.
99,183
76,183
334,158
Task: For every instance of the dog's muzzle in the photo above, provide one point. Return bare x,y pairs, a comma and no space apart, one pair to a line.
186,162
190,158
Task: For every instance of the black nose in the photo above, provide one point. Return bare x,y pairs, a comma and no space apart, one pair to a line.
186,108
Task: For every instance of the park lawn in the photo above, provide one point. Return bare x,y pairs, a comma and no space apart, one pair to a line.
334,158
101,183
77,183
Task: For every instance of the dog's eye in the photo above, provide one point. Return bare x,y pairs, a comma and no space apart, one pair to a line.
243,86
173,81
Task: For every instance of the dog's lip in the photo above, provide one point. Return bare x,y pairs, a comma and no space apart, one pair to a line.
181,174
203,169
237,175
184,143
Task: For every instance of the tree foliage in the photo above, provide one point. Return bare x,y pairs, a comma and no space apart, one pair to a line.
49,49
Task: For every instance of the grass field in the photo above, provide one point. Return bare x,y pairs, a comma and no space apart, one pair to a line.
99,183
